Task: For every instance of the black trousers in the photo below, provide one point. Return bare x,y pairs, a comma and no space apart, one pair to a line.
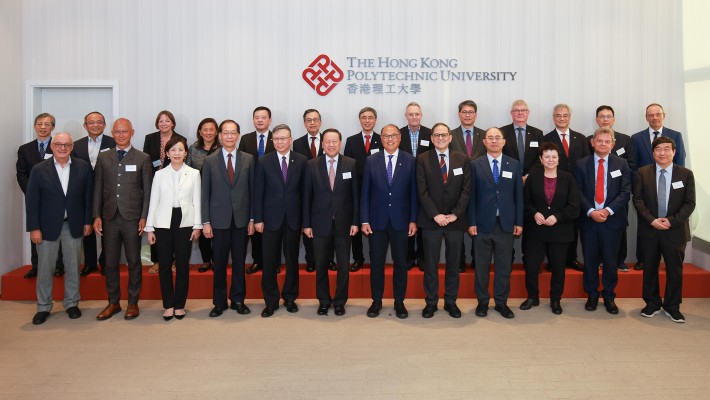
228,240
397,241
174,244
534,254
415,246
256,248
673,255
90,251
323,247
205,245
274,242
432,252
358,249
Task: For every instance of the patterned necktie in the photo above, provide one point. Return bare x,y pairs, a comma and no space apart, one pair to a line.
599,190
521,147
284,167
655,135
469,143
662,206
41,151
389,169
442,164
331,174
414,138
230,169
367,144
121,154
313,147
565,146
261,145
496,172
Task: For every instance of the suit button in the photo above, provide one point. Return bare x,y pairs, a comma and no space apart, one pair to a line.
117,195
119,184
119,174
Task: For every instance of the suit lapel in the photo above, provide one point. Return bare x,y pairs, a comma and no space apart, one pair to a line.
54,177
223,166
73,173
397,168
647,144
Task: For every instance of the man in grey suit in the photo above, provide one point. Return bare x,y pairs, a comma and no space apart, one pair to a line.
122,181
227,181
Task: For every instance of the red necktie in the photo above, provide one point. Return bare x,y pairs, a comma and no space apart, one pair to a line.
367,143
564,144
599,192
442,164
313,147
230,169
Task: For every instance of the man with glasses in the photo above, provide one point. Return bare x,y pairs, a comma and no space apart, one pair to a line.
522,141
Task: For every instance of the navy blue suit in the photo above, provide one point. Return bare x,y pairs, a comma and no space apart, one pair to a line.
600,240
643,152
389,209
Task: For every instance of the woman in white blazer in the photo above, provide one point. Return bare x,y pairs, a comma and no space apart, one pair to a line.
174,221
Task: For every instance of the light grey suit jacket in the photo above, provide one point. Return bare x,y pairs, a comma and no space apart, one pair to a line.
223,202
124,186
459,144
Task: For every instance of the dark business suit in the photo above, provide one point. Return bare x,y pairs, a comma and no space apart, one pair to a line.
643,151
81,150
533,141
548,240
227,207
600,240
415,243
121,199
389,208
331,213
277,204
667,243
302,145
495,233
437,197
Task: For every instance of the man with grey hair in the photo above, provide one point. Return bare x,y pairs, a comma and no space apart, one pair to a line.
522,141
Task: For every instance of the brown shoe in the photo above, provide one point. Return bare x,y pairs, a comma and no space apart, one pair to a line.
109,311
132,311
154,269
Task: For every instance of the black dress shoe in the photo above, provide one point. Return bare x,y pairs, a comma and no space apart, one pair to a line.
87,270
31,273
374,309
339,310
556,307
73,312
638,266
529,303
310,267
429,310
575,265
591,304
453,310
253,268
240,308
204,267
268,311
504,310
59,272
323,309
400,310
610,306
462,267
482,310
411,263
291,306
216,312
355,266
332,265
40,317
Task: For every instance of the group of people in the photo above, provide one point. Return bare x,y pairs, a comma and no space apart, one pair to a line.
405,189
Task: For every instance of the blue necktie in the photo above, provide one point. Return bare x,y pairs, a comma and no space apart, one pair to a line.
521,147
496,173
261,145
121,153
41,150
389,169
662,207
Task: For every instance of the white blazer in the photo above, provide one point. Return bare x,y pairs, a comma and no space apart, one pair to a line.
162,194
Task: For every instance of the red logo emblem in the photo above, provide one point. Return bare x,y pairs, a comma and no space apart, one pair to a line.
322,75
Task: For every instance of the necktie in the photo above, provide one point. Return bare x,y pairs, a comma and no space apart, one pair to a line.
599,191
389,169
41,151
662,206
521,147
565,146
230,169
121,154
655,135
496,172
313,147
284,167
442,164
331,174
261,145
469,143
367,143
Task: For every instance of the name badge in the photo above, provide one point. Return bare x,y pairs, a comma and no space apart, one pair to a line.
424,143
677,185
458,171
156,163
373,151
130,168
534,144
507,174
615,174
620,151
106,149
47,155
347,175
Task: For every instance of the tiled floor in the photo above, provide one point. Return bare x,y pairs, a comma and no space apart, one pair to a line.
304,356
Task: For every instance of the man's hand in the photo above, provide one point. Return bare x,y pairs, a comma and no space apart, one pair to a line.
659,224
441,219
207,230
36,236
473,230
451,218
141,226
250,228
517,230
259,227
87,230
353,230
98,228
308,232
412,229
366,229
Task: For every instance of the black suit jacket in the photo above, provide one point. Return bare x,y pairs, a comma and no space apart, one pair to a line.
355,148
533,140
578,148
46,202
250,144
275,199
302,145
458,143
151,146
406,143
437,197
81,147
681,203
564,206
623,147
28,157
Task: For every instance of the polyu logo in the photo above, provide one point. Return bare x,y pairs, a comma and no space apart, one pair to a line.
322,75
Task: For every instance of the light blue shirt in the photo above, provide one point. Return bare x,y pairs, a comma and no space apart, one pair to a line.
225,153
669,174
414,138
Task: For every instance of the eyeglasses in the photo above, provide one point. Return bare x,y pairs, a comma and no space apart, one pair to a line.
439,135
43,124
392,136
467,112
657,115
93,123
561,115
312,120
281,139
604,117
229,133
494,138
368,118
62,145
523,111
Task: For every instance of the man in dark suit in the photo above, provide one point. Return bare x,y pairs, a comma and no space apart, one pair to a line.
122,182
574,146
58,207
643,154
277,216
624,148
664,197
415,140
28,155
331,200
388,211
88,149
358,147
227,185
257,144
522,141
604,183
495,216
443,184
